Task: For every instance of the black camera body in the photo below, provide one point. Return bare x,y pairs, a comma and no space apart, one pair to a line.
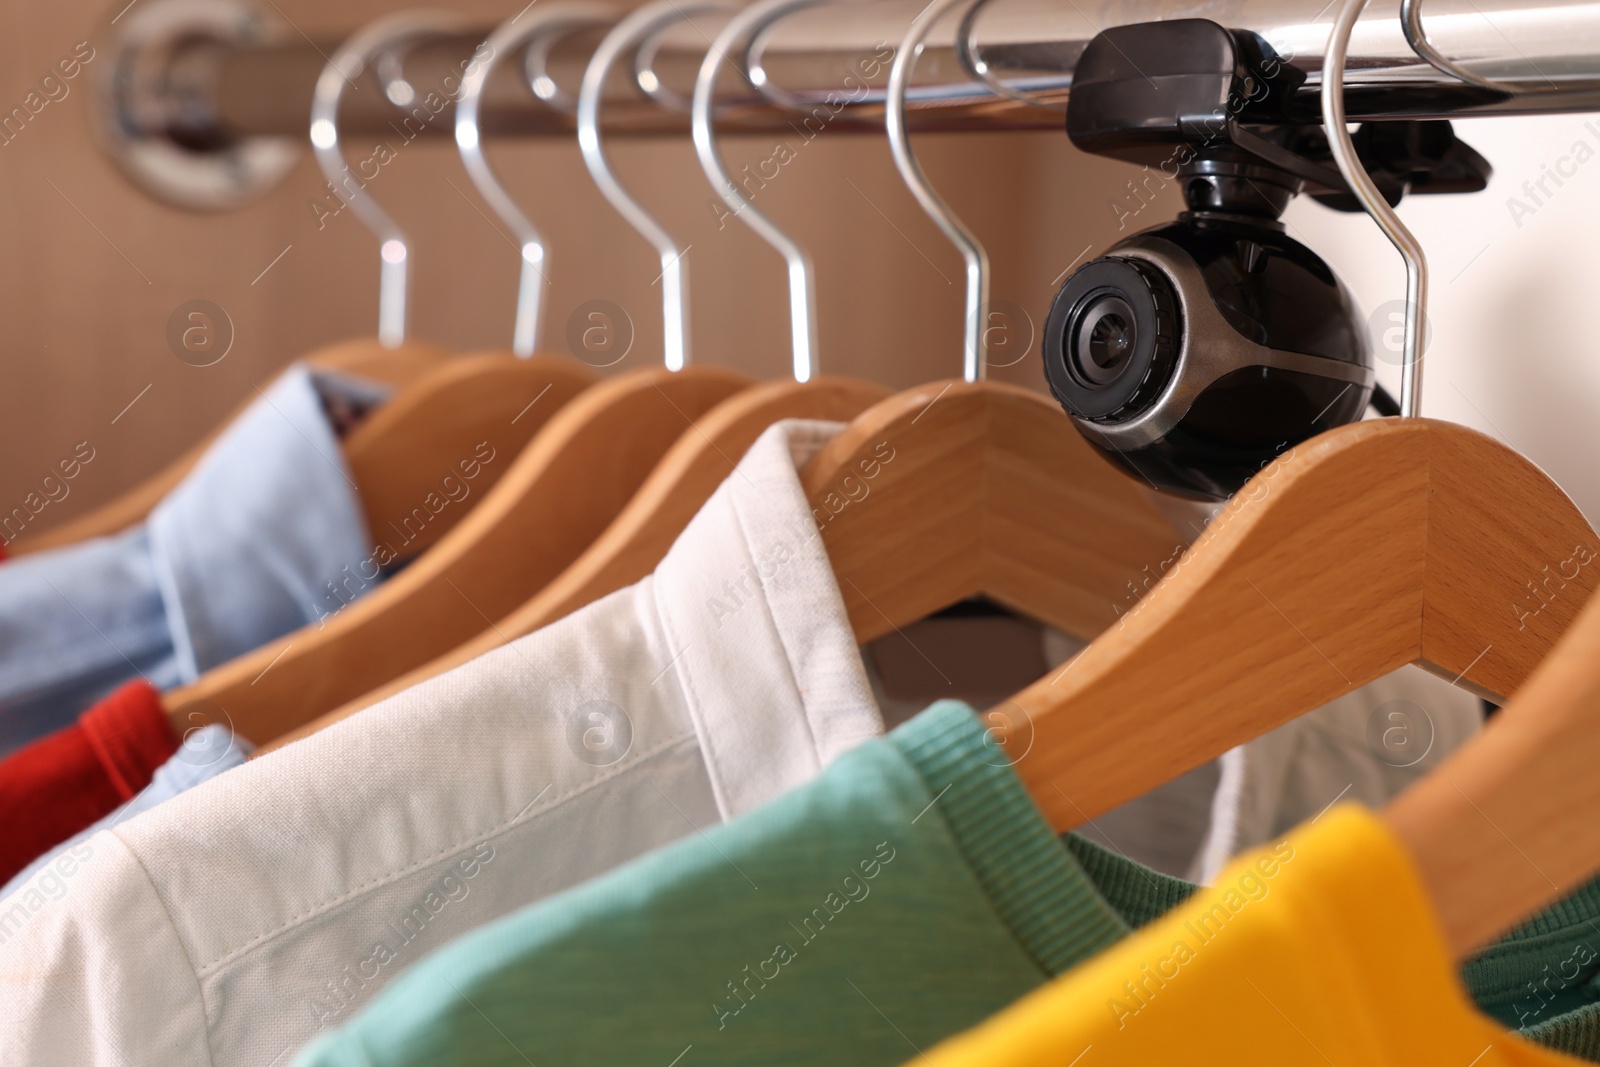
1195,353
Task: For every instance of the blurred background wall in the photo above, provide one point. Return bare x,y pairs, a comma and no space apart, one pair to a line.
1512,308
92,268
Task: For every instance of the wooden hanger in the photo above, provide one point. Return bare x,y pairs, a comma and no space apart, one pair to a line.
1374,545
556,497
401,456
640,535
363,357
960,489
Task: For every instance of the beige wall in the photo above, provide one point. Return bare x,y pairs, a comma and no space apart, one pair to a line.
85,297
1513,307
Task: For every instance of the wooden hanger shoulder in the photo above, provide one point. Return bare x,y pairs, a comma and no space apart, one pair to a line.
409,459
955,489
637,539
556,497
1506,824
362,357
1374,545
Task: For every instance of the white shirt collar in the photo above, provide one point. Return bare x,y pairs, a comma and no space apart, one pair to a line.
761,643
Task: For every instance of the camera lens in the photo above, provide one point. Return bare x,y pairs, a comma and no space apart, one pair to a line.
1104,339
1111,338
1193,355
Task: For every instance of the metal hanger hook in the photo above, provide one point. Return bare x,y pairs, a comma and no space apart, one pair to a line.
802,284
971,62
752,61
348,63
508,37
975,365
1417,38
1344,154
674,276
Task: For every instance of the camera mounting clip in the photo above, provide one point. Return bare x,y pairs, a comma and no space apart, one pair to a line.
1222,113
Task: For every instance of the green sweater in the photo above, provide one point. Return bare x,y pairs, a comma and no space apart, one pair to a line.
906,894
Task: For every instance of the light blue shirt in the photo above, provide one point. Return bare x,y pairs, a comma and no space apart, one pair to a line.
251,545
204,754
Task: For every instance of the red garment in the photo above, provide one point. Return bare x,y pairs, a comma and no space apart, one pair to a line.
66,782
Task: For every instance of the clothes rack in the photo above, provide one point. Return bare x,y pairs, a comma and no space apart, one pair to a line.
205,105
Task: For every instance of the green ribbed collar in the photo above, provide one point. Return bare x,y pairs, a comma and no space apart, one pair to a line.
1543,978
1035,884
1139,894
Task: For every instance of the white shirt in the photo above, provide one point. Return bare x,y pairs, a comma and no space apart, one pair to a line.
1366,746
236,921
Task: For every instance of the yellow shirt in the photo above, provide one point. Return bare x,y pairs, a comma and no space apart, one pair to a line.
1320,950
